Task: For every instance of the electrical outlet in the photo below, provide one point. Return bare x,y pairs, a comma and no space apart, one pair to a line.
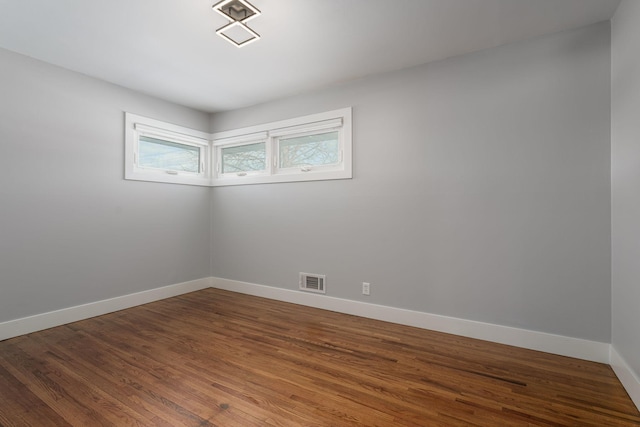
366,288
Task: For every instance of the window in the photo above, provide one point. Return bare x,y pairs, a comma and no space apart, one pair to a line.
161,152
245,155
316,147
242,159
309,148
155,153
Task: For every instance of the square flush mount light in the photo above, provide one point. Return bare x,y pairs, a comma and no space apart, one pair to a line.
238,12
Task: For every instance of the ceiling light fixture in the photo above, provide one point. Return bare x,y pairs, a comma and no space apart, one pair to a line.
238,12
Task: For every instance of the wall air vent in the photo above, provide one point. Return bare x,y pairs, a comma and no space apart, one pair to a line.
312,283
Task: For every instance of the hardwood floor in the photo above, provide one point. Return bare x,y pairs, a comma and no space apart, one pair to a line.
217,358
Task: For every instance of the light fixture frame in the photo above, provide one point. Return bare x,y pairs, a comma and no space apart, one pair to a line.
218,8
220,32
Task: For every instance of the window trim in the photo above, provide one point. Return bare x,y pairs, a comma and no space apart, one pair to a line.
339,120
136,126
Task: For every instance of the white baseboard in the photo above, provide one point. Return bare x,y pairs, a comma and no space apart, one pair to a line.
550,343
26,325
627,377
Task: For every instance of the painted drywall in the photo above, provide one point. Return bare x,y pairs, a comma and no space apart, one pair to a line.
72,230
625,183
481,191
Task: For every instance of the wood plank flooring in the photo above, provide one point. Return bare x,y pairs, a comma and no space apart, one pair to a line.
217,358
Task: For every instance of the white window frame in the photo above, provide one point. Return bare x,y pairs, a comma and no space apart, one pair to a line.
337,120
136,126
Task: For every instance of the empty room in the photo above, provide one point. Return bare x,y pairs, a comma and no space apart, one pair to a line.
319,213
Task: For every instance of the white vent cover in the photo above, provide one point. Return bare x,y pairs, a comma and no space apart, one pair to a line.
312,282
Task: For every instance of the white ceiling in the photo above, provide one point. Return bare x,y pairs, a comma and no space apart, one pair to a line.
169,49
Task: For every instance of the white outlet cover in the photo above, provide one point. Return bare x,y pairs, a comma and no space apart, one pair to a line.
366,288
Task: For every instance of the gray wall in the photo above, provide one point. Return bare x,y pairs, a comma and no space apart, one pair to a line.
625,182
481,190
72,230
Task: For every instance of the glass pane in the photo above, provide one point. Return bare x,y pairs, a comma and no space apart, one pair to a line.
161,154
312,150
244,158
